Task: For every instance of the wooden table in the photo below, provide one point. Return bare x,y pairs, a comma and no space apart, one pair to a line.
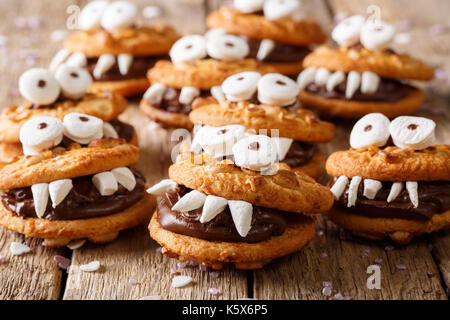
420,270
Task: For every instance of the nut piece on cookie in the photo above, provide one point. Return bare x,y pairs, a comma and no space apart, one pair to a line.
400,179
369,76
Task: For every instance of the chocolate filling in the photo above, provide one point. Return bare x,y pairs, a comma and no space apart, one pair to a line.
170,101
434,198
280,53
299,153
265,222
83,201
388,91
138,68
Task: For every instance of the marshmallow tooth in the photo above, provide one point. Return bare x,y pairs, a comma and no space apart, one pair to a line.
58,59
217,93
40,198
155,92
339,186
255,152
109,131
188,49
306,77
82,128
370,82
39,86
104,63
277,89
125,177
412,186
241,86
40,133
372,129
219,141
105,182
377,35
353,191
277,9
119,14
124,60
353,82
227,47
334,80
188,94
58,190
322,76
248,6
91,14
283,146
78,59
162,187
265,48
348,31
74,81
396,188
212,207
412,132
190,201
241,212
371,188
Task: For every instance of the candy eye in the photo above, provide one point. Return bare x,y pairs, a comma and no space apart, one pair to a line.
40,133
276,89
189,48
377,35
256,152
412,132
82,128
119,14
241,86
74,81
219,141
227,47
372,129
91,14
276,9
248,6
39,86
347,32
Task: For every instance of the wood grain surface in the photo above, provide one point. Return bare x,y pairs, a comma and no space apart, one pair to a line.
133,267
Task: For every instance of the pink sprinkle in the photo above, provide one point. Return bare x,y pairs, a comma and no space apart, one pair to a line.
401,267
159,250
132,282
202,267
181,265
404,25
191,263
327,284
437,29
323,255
378,261
340,17
365,253
213,291
34,22
214,275
20,22
62,262
388,248
326,291
174,271
14,92
338,296
155,297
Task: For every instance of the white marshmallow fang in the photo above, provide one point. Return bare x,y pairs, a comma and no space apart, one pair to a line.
371,188
212,207
156,91
369,82
58,59
40,198
58,190
78,59
190,201
162,187
306,77
188,94
283,144
217,93
241,212
105,182
334,80
125,177
104,63
109,131
124,60
322,76
396,188
265,48
412,186
353,191
339,186
353,83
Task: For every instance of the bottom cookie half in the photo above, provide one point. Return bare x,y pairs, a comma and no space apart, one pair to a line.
127,88
244,255
399,230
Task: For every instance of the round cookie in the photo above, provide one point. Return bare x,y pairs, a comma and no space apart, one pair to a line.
126,88
356,109
398,230
244,255
285,30
106,106
392,163
286,190
384,63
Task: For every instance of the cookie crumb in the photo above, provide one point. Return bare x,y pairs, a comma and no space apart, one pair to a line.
214,275
18,248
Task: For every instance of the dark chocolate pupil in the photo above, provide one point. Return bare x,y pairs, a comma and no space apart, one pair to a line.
253,146
41,83
240,78
84,119
42,125
368,128
412,126
281,83
222,131
229,44
189,46
74,75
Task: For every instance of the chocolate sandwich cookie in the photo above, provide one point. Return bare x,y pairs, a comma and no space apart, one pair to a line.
362,75
73,182
277,34
265,105
247,211
57,95
115,50
394,182
197,64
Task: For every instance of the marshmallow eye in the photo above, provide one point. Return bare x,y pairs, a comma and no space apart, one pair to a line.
372,129
39,86
241,86
189,48
377,35
74,81
219,141
276,89
277,9
40,133
118,14
348,31
227,47
412,132
248,6
91,14
256,152
82,128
